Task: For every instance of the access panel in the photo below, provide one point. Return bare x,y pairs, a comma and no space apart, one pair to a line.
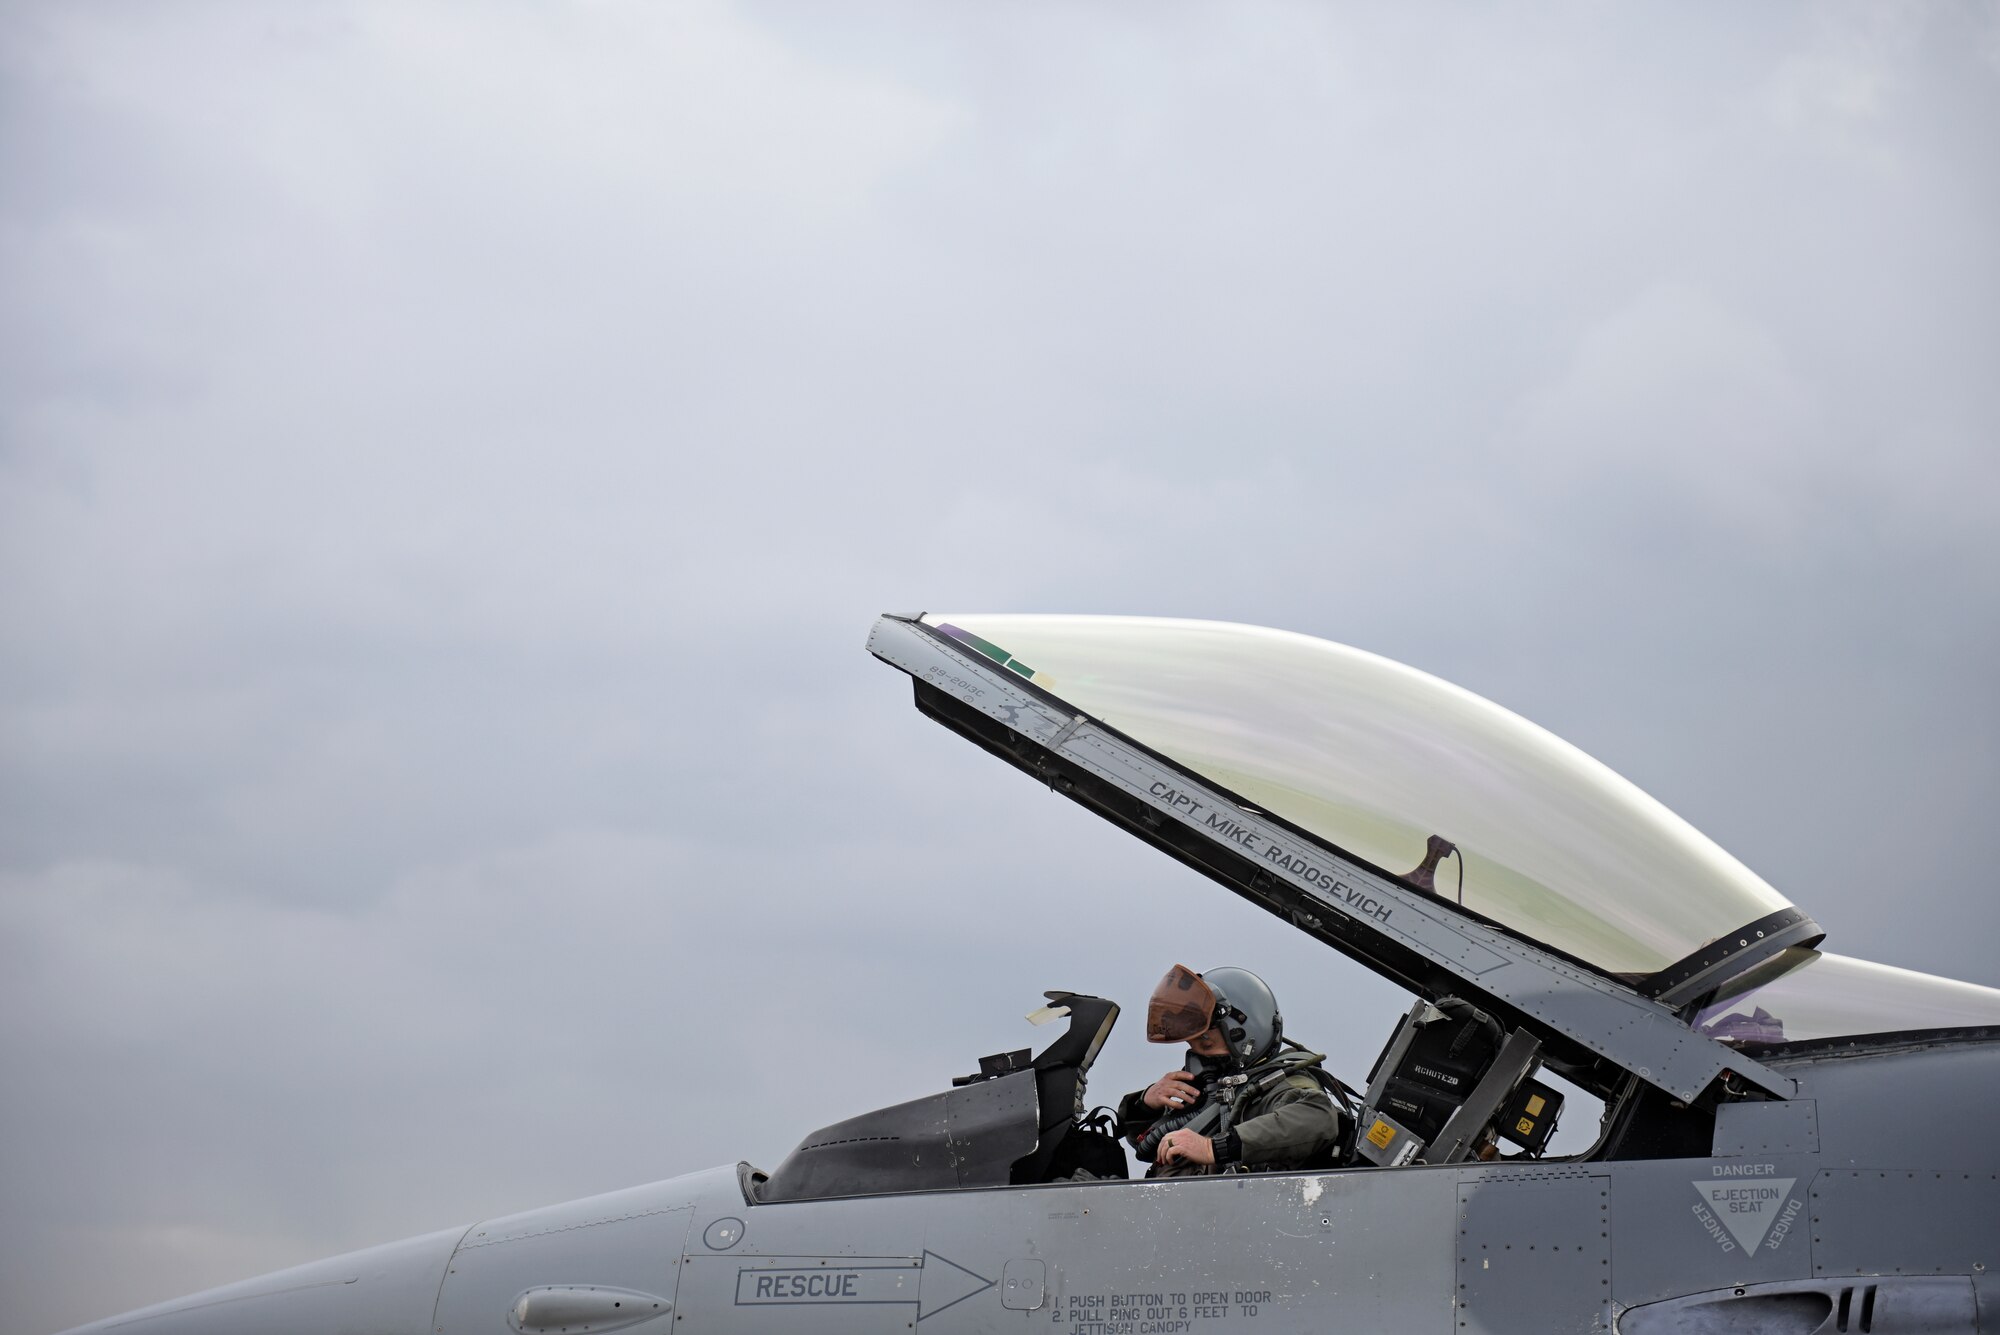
1534,1254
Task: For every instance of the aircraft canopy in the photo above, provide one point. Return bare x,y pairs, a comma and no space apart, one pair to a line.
1386,763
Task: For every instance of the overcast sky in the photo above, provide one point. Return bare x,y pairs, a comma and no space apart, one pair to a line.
450,457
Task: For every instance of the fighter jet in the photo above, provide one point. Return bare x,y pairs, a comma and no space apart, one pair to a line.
1791,1139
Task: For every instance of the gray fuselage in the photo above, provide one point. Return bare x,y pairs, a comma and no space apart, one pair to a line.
1877,1186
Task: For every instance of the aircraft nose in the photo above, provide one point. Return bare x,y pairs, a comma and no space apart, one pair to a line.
390,1290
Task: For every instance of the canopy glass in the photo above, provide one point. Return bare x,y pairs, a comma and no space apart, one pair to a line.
1832,996
1377,758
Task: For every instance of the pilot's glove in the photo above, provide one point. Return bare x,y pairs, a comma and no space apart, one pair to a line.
1171,1092
1185,1147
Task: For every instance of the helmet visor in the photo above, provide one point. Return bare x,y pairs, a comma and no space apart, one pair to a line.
1182,1008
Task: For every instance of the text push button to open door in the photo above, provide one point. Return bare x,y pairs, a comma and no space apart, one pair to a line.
1023,1285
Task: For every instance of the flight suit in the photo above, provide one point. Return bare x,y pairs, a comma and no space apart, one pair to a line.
1292,1124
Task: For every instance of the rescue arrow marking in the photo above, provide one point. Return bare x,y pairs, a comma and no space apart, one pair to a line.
953,1285
932,1282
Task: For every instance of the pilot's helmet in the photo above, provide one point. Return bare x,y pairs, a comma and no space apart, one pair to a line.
1237,1001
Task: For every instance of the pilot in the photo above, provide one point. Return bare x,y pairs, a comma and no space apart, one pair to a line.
1245,1100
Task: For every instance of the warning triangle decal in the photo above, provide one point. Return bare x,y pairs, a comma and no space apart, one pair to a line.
1746,1206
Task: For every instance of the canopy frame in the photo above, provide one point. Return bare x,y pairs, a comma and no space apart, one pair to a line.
1595,1028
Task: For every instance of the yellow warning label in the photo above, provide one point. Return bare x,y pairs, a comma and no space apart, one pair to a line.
1535,1105
1525,1127
1380,1134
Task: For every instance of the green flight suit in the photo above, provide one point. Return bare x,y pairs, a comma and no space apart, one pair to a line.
1291,1124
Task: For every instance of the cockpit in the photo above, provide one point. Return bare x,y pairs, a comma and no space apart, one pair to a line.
1551,919
1451,1085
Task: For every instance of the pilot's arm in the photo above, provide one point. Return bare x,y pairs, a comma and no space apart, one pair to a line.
1135,1119
1141,1108
1295,1123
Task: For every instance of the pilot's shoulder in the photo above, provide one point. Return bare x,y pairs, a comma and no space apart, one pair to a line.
1298,1085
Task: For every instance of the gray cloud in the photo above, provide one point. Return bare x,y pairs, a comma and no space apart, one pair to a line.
447,466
